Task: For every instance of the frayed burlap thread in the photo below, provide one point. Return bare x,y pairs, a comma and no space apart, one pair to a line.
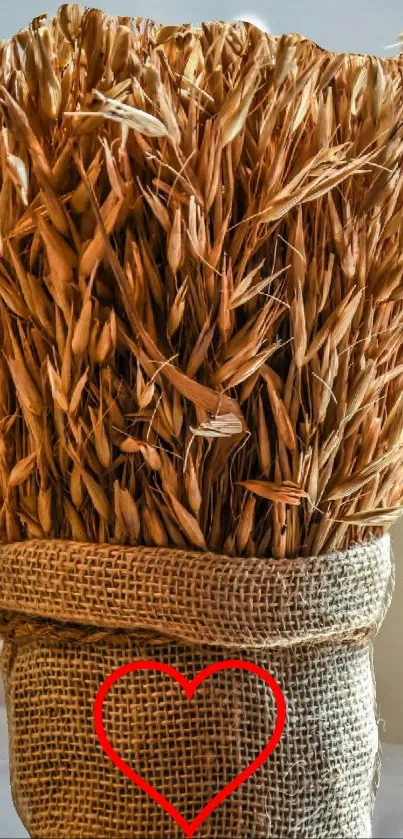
72,613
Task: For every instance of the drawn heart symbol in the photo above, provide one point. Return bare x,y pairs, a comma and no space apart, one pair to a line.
190,688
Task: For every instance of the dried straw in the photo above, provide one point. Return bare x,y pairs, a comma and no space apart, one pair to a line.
201,287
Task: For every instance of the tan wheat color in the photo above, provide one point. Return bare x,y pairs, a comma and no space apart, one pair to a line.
201,296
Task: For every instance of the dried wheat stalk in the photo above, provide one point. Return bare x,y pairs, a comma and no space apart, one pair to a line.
201,287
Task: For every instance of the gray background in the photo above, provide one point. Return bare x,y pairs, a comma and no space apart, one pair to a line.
342,25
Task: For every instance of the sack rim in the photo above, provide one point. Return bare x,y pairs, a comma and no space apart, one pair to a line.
200,597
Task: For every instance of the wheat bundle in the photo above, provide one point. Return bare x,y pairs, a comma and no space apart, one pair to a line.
201,288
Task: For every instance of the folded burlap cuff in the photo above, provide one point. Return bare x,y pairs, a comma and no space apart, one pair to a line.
233,602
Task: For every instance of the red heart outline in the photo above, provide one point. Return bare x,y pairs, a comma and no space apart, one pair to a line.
190,687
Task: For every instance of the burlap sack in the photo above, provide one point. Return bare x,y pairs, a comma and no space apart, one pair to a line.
309,622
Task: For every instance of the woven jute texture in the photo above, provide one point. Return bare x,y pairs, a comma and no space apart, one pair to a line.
72,613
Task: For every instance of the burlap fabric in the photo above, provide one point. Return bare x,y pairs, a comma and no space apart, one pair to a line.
73,613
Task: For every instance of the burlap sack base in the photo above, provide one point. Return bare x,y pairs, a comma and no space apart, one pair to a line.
319,780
